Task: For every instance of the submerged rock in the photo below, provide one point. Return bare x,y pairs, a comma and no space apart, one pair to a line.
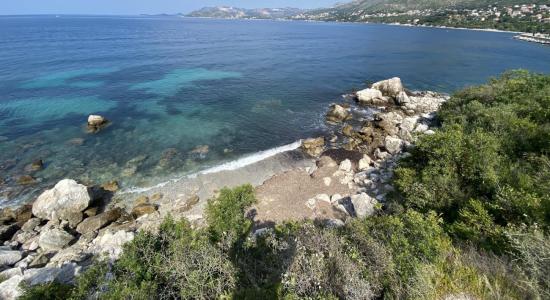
111,186
143,209
26,180
66,199
96,122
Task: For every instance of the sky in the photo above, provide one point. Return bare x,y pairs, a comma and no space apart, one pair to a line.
18,7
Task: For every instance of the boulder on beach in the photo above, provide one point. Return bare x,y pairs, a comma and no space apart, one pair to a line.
337,114
390,87
66,199
314,146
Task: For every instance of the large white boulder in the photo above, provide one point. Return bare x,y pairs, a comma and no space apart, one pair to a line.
62,202
9,289
96,120
390,87
9,257
371,97
363,204
393,144
110,243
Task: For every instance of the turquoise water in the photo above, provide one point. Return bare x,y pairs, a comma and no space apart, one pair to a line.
172,86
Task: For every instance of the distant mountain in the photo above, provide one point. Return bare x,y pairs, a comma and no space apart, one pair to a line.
227,12
511,15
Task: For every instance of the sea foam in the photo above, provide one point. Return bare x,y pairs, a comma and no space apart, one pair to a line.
228,166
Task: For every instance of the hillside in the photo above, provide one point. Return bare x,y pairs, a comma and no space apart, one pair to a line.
512,15
226,12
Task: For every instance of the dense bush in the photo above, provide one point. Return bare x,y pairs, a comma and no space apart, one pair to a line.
488,166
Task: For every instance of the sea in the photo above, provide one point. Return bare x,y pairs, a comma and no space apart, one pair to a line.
187,95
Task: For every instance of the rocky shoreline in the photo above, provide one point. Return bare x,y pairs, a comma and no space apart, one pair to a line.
333,178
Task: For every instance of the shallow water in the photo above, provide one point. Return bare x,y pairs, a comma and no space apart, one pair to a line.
170,85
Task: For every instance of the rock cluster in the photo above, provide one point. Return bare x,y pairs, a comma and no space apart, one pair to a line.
58,235
400,116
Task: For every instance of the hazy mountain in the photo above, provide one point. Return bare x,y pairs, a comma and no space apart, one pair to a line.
227,12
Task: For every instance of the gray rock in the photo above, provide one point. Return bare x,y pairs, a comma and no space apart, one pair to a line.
9,273
64,274
345,165
402,98
9,257
110,243
39,261
334,223
364,163
372,97
390,87
54,239
31,224
363,205
393,144
99,221
62,202
9,289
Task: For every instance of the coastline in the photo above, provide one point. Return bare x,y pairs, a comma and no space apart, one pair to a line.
330,179
366,23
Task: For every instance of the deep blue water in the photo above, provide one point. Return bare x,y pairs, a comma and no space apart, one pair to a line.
175,83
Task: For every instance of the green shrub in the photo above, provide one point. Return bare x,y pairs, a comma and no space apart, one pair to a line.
48,291
402,245
225,214
493,147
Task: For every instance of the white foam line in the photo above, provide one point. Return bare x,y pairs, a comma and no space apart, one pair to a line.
228,166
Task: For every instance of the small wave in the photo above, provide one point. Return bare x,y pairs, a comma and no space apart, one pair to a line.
228,166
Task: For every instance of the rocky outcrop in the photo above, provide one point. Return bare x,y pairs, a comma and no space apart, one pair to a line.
337,114
314,146
372,97
390,87
65,201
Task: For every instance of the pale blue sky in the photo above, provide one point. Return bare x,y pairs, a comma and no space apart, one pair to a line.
9,7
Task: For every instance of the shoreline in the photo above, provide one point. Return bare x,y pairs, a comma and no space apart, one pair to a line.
365,23
331,179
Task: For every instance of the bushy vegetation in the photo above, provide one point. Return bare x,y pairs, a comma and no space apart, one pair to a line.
470,218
